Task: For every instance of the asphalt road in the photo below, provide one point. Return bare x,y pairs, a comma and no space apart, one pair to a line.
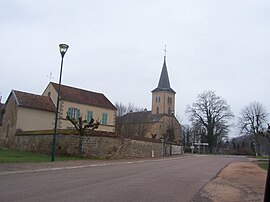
168,179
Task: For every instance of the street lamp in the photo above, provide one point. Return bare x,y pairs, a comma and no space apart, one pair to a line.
63,50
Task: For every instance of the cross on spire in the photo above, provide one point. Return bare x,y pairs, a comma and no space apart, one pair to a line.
165,52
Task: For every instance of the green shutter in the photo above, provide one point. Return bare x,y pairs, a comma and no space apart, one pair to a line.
69,112
89,116
104,118
78,114
87,119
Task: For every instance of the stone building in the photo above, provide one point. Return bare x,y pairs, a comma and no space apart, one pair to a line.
160,122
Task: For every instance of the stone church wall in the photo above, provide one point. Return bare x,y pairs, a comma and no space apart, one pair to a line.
96,144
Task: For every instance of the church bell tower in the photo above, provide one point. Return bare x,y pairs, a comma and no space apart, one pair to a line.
163,97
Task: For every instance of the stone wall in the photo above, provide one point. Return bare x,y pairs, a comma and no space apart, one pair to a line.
8,129
95,144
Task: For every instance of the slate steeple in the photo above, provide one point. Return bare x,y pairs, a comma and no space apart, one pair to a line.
163,97
164,82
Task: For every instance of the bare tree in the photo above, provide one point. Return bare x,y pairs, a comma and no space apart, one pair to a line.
221,131
82,125
190,135
186,135
124,109
121,109
252,121
212,113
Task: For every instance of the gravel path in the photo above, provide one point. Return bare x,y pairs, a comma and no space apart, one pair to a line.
240,181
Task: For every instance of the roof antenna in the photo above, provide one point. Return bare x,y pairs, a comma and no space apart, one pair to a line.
165,52
50,76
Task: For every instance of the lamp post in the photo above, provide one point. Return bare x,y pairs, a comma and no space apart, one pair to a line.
63,50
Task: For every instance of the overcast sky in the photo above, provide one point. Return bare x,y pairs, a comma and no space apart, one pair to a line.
116,48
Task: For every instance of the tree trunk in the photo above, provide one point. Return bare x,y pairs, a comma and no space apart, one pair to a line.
210,139
81,142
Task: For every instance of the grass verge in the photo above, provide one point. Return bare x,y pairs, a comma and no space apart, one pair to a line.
263,165
263,157
11,156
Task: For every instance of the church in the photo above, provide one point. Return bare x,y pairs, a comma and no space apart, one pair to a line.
160,122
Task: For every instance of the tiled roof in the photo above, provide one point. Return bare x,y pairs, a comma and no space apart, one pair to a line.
84,97
138,117
33,101
164,82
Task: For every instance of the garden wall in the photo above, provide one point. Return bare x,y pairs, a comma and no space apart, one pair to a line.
94,144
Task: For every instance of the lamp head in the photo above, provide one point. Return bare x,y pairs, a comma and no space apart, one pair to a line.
63,49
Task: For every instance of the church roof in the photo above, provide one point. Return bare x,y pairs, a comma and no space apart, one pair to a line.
138,117
164,82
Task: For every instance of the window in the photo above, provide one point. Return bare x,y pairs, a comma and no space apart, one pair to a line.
169,110
89,116
157,110
169,100
74,113
104,119
158,99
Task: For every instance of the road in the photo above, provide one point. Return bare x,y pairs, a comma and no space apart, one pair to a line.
166,179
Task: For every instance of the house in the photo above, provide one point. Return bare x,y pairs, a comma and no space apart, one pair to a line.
78,102
25,112
30,112
160,122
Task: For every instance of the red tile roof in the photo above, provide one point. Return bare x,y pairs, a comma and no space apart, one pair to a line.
33,101
84,97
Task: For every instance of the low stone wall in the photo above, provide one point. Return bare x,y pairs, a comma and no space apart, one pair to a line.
95,144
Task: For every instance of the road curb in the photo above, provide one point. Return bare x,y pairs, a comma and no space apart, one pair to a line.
84,166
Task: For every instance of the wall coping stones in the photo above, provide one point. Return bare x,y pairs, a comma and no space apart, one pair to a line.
87,133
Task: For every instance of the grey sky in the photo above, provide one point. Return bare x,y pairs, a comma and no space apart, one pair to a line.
116,47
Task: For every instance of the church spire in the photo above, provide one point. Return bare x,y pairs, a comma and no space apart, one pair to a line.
164,82
163,97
